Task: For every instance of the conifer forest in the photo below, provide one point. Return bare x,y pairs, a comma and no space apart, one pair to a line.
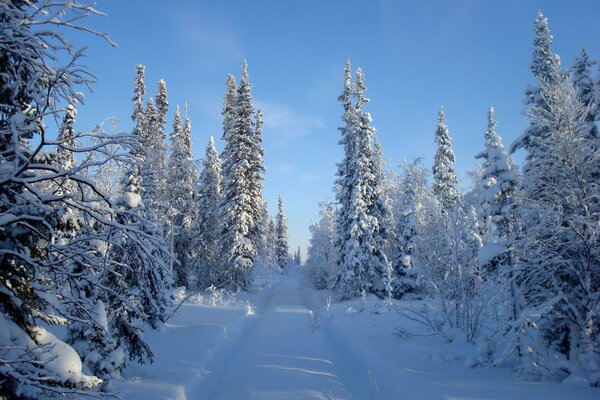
131,267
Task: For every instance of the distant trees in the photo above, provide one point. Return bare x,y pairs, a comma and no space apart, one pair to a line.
445,182
281,231
206,226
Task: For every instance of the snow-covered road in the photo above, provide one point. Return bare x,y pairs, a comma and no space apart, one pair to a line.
290,344
281,354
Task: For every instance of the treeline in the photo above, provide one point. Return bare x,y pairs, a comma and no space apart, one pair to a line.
514,262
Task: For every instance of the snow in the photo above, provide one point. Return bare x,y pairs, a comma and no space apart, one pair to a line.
63,362
132,200
296,344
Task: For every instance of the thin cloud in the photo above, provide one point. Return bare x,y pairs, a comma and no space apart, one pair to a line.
284,122
210,35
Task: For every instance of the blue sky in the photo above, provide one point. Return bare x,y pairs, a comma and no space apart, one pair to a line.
416,55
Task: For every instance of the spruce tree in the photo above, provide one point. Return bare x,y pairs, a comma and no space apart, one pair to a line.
281,229
342,187
543,63
445,182
500,182
242,205
138,116
363,266
182,179
412,204
206,226
160,138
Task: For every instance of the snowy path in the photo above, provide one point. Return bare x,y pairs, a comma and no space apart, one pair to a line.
280,355
280,349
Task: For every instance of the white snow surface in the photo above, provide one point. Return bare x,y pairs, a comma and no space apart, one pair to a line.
283,340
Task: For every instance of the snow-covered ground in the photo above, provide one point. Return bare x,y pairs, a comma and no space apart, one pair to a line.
285,341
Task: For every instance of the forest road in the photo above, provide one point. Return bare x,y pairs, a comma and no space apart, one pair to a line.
282,354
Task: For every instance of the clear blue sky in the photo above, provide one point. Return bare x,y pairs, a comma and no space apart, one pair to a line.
417,55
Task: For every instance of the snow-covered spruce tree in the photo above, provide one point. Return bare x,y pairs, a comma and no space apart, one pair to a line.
497,210
321,259
36,88
588,92
138,116
281,229
342,187
445,182
151,177
242,203
544,61
159,144
206,226
383,206
558,267
80,246
265,252
412,204
271,237
141,290
364,266
297,257
256,172
182,190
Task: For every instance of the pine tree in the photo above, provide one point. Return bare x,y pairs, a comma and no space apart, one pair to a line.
141,291
544,61
206,227
445,182
138,116
242,204
281,230
149,172
412,205
298,257
342,186
363,265
159,142
256,171
500,182
182,179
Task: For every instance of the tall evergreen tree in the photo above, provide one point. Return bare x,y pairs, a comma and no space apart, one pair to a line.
500,181
183,181
160,137
363,265
342,186
241,209
206,226
151,176
281,229
544,61
445,182
138,116
414,198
